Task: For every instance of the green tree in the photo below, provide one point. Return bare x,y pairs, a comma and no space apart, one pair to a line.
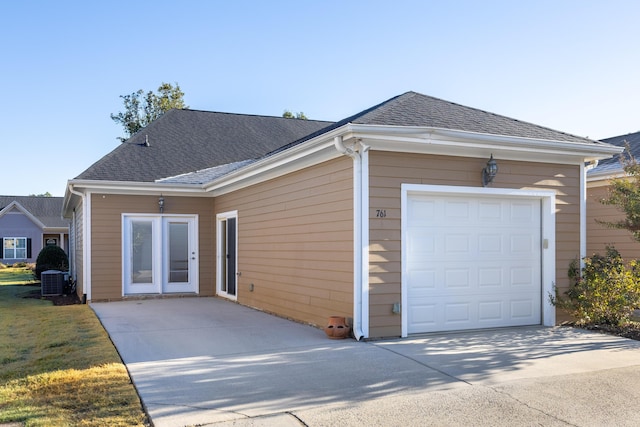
140,109
47,194
624,193
289,115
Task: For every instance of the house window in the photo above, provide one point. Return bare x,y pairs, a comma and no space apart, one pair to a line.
14,248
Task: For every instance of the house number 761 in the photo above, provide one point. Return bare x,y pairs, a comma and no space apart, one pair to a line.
381,213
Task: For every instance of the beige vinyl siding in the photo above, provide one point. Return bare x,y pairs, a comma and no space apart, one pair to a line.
106,238
389,170
600,236
295,242
77,236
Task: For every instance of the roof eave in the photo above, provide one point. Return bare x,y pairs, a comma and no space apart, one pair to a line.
309,152
456,142
414,139
77,187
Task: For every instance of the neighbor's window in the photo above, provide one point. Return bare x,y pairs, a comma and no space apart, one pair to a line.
15,248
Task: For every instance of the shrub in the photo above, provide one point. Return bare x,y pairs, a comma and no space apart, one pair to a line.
606,290
51,258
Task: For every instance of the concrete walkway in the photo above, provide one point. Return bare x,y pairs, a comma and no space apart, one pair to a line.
206,361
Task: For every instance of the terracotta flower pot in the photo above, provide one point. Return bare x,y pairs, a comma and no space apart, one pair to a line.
337,328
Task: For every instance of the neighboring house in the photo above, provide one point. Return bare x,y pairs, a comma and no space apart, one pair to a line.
598,178
382,217
27,224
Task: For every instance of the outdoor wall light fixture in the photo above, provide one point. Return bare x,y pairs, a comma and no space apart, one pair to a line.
489,171
161,203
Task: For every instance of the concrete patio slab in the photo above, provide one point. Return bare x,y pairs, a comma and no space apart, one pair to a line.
200,361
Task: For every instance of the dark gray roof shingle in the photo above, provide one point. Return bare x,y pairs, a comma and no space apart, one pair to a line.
415,109
206,175
183,141
47,209
613,164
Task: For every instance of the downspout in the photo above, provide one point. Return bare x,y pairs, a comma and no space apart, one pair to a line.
85,284
357,235
584,169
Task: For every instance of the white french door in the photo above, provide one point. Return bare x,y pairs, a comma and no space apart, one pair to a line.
160,254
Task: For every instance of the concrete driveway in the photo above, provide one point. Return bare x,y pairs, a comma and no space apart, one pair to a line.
206,361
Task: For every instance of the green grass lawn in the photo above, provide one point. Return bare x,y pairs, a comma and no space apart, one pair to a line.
17,276
57,364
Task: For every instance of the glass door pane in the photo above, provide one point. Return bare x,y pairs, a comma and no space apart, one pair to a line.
231,256
223,265
178,252
141,251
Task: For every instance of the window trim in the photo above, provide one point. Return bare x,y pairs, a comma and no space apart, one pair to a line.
15,247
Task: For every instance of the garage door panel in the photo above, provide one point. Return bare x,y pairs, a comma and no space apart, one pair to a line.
490,277
469,313
421,279
449,274
490,244
473,263
432,242
523,212
524,309
490,311
523,277
459,209
421,243
424,211
424,317
491,212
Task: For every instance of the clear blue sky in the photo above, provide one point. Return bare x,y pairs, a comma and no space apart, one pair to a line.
571,65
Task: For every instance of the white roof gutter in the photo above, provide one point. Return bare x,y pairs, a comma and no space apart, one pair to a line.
455,142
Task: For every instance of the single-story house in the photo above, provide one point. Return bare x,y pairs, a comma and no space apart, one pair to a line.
598,179
29,223
415,215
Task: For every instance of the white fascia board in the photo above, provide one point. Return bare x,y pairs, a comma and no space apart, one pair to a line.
411,139
85,186
472,144
130,187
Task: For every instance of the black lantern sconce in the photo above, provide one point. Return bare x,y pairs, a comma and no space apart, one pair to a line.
161,203
489,171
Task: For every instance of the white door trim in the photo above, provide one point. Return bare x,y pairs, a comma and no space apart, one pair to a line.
155,285
191,286
221,251
159,270
547,218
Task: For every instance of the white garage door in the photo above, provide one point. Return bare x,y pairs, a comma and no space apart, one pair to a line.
472,262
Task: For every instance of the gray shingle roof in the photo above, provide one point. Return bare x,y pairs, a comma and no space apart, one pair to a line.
183,141
206,175
47,209
415,109
613,165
